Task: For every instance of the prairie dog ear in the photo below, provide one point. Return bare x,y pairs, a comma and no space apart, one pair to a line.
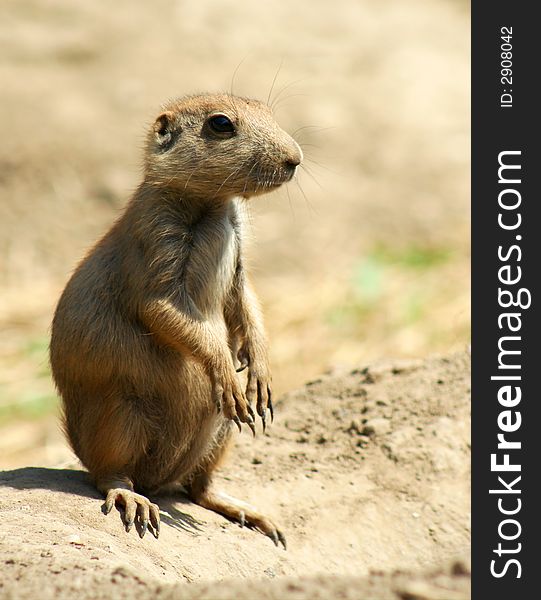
163,128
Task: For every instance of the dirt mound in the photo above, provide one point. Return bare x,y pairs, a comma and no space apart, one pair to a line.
366,471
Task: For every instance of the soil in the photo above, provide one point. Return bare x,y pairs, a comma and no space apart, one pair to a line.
365,470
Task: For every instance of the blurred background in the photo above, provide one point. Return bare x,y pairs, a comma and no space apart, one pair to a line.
367,256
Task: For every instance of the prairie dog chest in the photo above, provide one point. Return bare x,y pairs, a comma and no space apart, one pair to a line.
214,259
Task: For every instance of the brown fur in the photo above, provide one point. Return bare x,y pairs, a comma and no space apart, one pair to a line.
149,328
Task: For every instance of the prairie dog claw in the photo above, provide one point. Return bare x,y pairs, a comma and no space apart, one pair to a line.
138,510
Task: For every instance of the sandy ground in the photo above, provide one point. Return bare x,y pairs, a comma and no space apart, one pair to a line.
365,470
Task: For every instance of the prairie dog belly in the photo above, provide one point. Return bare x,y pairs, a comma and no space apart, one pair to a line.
187,426
168,462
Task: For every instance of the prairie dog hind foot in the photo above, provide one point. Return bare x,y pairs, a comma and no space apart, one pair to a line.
240,511
135,509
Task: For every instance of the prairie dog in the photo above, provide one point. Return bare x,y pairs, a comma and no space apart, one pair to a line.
154,322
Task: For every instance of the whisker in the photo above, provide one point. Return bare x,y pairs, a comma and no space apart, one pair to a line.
320,165
248,175
317,127
305,145
311,175
280,103
195,169
234,172
284,89
290,204
304,195
273,82
234,74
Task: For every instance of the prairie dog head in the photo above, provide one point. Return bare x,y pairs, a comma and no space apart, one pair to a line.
219,146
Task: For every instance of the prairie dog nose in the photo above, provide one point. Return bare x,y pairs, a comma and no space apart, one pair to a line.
291,163
295,157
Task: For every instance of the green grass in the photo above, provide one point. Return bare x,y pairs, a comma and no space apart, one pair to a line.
36,399
32,406
368,288
412,257
37,350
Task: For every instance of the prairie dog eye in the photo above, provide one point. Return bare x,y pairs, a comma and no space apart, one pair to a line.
221,125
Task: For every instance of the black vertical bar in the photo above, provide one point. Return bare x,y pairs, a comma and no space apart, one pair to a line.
505,119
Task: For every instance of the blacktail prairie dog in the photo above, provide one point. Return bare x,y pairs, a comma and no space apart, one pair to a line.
157,319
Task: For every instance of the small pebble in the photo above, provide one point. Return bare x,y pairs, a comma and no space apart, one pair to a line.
376,427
